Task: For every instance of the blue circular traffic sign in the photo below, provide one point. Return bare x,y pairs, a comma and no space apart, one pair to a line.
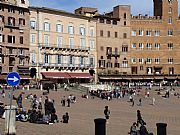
13,79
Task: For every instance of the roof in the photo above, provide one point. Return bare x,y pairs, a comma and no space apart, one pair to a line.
57,12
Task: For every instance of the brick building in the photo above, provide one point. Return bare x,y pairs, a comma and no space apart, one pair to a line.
14,37
155,42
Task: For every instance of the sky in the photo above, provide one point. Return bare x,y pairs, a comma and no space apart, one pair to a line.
137,6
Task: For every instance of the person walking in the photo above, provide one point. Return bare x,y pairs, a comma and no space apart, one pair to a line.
139,119
132,102
153,101
140,102
107,113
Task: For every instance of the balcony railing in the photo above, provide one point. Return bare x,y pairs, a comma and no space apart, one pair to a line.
113,54
63,65
11,25
64,47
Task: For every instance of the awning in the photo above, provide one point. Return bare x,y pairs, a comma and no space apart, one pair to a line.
111,78
80,75
55,75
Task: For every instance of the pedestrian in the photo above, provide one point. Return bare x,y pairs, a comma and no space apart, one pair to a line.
19,101
63,101
140,102
133,130
68,102
139,118
47,89
3,93
65,118
107,113
132,102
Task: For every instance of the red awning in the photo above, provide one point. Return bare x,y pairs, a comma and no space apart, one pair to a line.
80,75
55,75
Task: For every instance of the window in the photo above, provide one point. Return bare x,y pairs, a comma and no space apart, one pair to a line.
141,60
149,61
59,59
108,34
32,25
101,33
21,62
59,28
21,21
124,35
157,32
82,31
33,38
125,48
46,26
125,63
10,69
11,39
71,42
141,32
157,46
149,46
171,70
21,40
148,33
170,32
46,40
134,45
170,2
157,60
1,8
11,21
71,60
170,46
141,68
21,12
82,43
124,23
91,44
1,38
91,61
22,1
11,10
46,59
141,46
33,58
91,32
170,60
21,51
71,29
170,20
82,61
1,18
133,60
59,42
115,34
125,16
116,51
133,33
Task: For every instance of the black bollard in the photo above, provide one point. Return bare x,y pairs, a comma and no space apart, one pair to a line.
161,128
100,126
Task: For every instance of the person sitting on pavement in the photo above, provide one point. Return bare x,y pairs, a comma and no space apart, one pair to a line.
133,130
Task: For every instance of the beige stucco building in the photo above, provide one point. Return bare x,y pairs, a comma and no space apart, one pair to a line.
14,37
62,44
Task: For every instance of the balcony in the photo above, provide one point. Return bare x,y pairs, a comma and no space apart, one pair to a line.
11,25
113,54
64,48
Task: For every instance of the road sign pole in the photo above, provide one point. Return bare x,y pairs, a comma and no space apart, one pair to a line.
11,97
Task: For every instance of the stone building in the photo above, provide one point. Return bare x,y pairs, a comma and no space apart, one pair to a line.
62,45
112,41
14,37
155,42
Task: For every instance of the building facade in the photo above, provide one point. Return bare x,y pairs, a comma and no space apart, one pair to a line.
62,45
14,37
155,42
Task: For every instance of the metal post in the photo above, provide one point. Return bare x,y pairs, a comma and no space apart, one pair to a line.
161,128
100,126
10,109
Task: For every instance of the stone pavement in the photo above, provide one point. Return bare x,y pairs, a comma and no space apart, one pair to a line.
84,111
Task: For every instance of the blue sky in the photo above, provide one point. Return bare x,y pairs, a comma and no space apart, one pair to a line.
137,6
